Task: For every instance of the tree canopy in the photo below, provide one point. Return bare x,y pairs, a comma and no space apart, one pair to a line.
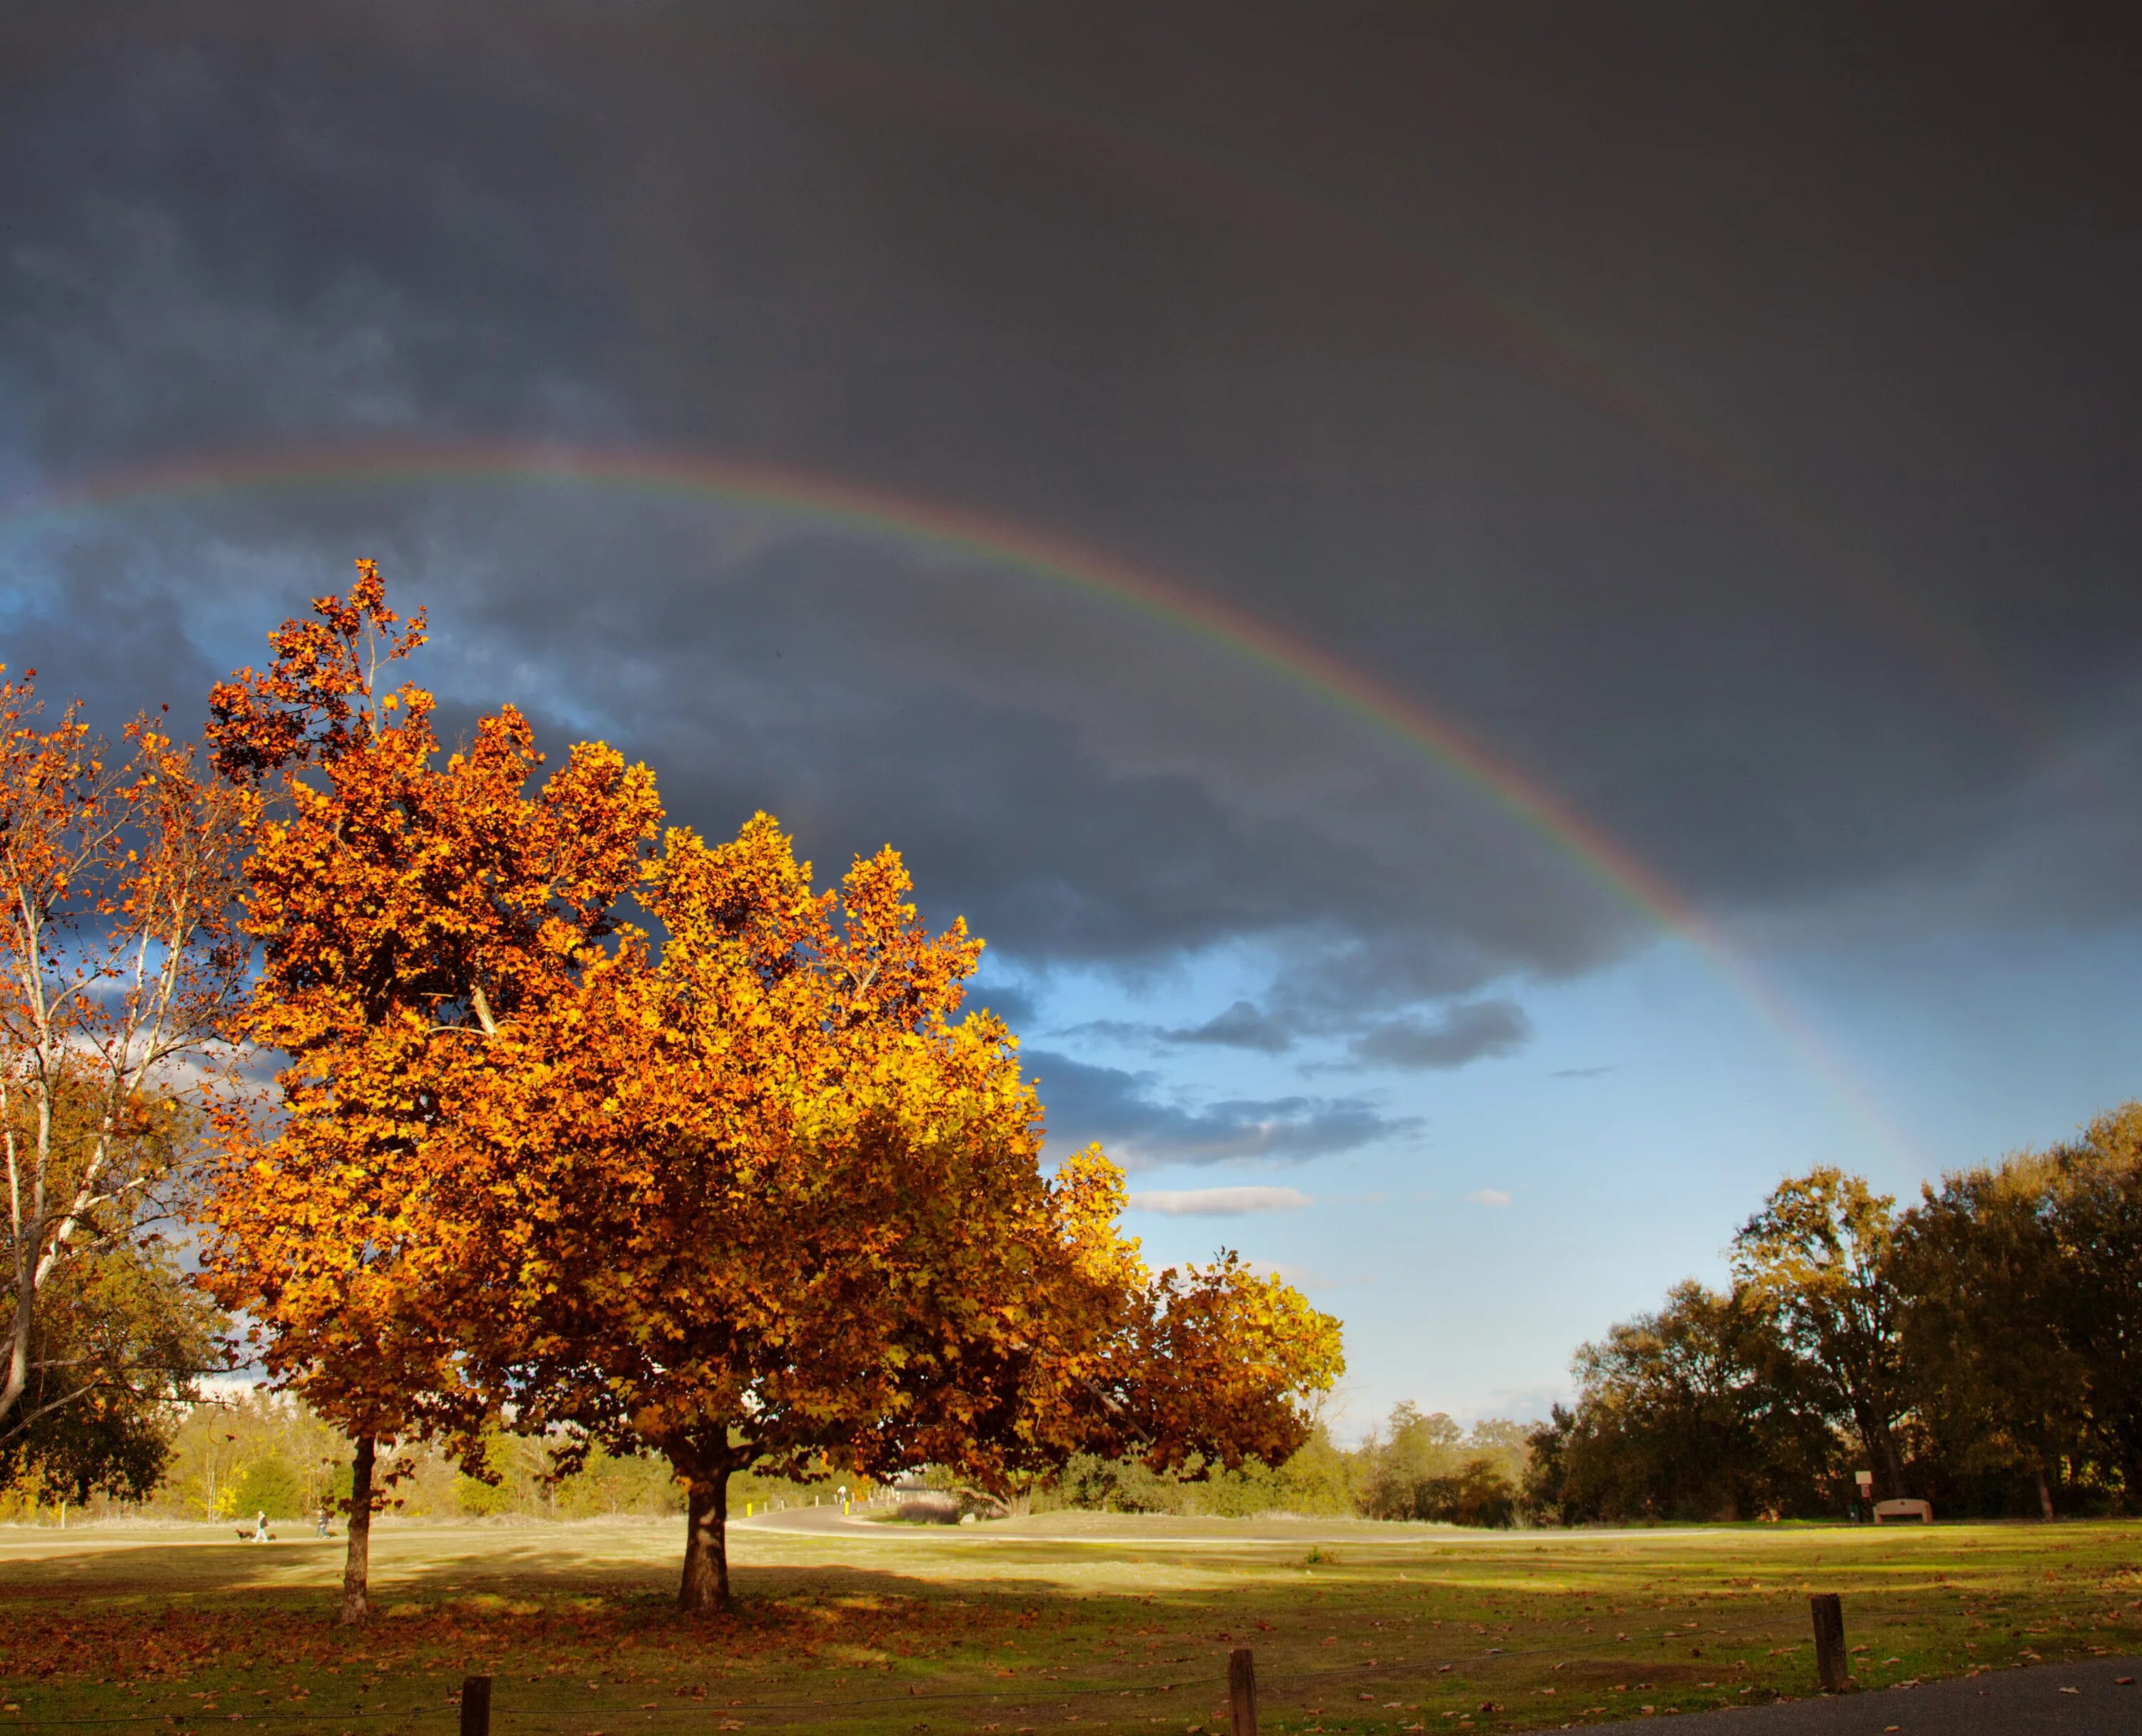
740,1183
402,906
1975,1348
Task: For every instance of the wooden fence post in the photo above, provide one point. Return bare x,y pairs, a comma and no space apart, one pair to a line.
475,1706
1242,1692
1831,1667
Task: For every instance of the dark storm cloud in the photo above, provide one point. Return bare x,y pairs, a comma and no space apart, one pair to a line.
800,678
218,245
112,633
1736,432
1142,1130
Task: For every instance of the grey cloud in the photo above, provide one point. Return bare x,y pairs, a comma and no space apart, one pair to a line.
1449,1038
1126,1031
1243,1025
1012,1003
110,631
1470,1031
1124,1112
234,259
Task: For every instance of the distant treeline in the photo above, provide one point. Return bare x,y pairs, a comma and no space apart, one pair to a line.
262,1453
1417,1466
1982,1349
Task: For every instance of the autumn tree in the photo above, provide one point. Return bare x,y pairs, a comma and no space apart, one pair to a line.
766,1202
408,911
1214,1365
1818,1257
1983,1343
119,970
752,1196
2022,1279
2094,1188
1698,1410
1987,1335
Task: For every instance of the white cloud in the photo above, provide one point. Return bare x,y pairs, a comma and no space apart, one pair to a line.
1219,1201
1488,1196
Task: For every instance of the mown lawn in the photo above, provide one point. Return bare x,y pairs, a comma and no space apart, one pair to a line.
1106,1624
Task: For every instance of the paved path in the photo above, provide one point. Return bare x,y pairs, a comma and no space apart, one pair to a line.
2002,1703
820,1521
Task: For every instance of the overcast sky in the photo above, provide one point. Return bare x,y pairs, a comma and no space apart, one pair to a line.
1720,423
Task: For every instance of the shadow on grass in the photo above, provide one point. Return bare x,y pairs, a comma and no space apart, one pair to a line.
503,1570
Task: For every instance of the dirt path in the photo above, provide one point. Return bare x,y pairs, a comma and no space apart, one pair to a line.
2050,1699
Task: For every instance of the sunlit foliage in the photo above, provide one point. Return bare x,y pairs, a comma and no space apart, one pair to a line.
751,1195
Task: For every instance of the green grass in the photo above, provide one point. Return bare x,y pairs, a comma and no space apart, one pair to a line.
1057,1621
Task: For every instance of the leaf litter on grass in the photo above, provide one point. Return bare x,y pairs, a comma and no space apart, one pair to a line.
965,1632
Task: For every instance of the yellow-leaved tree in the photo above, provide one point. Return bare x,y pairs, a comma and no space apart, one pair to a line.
766,1203
409,910
754,1196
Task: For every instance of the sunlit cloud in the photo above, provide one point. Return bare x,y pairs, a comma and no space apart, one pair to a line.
1218,1201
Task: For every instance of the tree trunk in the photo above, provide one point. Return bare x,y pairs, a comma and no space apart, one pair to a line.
1893,1461
26,1322
2045,1494
357,1569
706,1584
1883,1458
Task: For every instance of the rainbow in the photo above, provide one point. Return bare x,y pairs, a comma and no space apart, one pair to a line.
881,515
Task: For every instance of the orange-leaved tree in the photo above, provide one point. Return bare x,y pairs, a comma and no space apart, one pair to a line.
413,917
1210,1366
118,969
765,1202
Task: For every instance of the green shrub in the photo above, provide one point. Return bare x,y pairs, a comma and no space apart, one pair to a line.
269,1485
1478,1495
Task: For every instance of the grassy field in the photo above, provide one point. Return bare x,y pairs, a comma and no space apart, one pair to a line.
1107,1624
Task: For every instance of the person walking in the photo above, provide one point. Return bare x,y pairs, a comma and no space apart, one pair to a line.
260,1528
321,1530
